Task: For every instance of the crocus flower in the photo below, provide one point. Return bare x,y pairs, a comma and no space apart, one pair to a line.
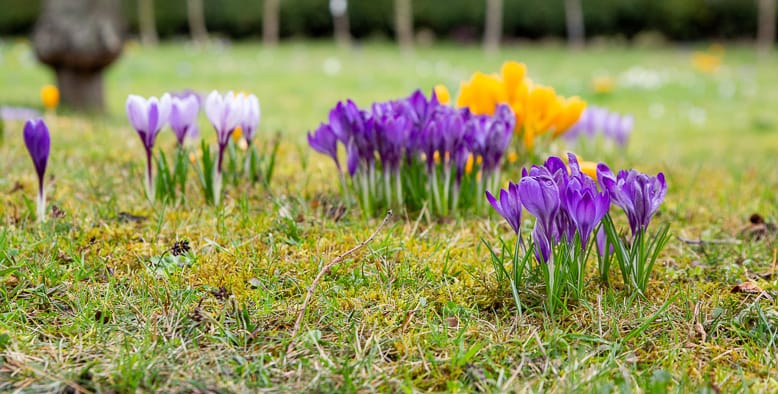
585,206
251,116
540,195
38,142
225,113
148,116
638,194
509,205
323,140
183,117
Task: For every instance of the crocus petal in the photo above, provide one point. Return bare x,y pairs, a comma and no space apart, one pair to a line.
38,143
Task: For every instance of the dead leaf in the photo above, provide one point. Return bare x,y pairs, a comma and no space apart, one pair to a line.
747,287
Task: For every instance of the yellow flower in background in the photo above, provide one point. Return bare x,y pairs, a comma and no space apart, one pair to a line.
588,168
569,114
482,94
50,96
708,61
543,108
538,109
237,134
603,84
441,92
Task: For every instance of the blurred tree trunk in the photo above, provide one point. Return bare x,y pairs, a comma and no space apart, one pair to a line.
575,24
765,38
339,11
403,23
79,39
271,21
493,25
196,15
147,23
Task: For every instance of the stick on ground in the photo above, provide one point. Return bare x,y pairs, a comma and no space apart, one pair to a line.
323,272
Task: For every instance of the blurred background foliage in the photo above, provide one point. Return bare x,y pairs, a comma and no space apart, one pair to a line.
460,20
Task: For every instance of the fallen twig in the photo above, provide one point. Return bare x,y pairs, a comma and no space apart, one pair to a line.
323,272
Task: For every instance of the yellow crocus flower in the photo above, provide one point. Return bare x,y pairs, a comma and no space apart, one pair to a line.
543,108
572,108
441,92
50,96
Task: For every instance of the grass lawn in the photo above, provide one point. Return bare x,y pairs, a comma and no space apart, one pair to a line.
84,303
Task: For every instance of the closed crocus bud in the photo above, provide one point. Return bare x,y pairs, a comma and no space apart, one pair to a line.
540,195
38,143
508,206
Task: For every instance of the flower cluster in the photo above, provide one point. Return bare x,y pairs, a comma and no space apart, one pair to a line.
227,113
611,125
538,109
416,151
569,207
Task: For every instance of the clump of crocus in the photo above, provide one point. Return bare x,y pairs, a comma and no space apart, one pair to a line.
415,152
569,208
225,112
595,120
38,142
639,195
50,97
538,109
148,117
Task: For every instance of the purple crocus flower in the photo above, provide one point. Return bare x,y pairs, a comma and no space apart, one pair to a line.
540,195
618,128
183,117
148,117
638,194
225,113
585,207
38,142
251,117
323,140
345,120
494,137
509,205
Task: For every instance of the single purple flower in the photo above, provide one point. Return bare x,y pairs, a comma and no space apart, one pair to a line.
38,142
148,117
346,119
323,140
251,117
183,117
637,194
497,133
509,205
225,113
540,195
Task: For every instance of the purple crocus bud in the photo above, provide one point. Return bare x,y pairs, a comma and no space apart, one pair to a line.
602,240
183,117
542,240
498,132
508,206
251,117
637,194
38,142
323,140
584,205
225,113
540,195
148,116
345,120
352,157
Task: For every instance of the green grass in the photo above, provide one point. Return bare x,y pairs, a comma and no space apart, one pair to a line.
84,304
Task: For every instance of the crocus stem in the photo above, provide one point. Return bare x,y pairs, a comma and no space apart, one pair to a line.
247,160
388,188
399,186
435,192
366,195
217,176
446,187
41,214
149,176
455,197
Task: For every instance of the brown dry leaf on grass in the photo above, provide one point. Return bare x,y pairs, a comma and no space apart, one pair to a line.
750,288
